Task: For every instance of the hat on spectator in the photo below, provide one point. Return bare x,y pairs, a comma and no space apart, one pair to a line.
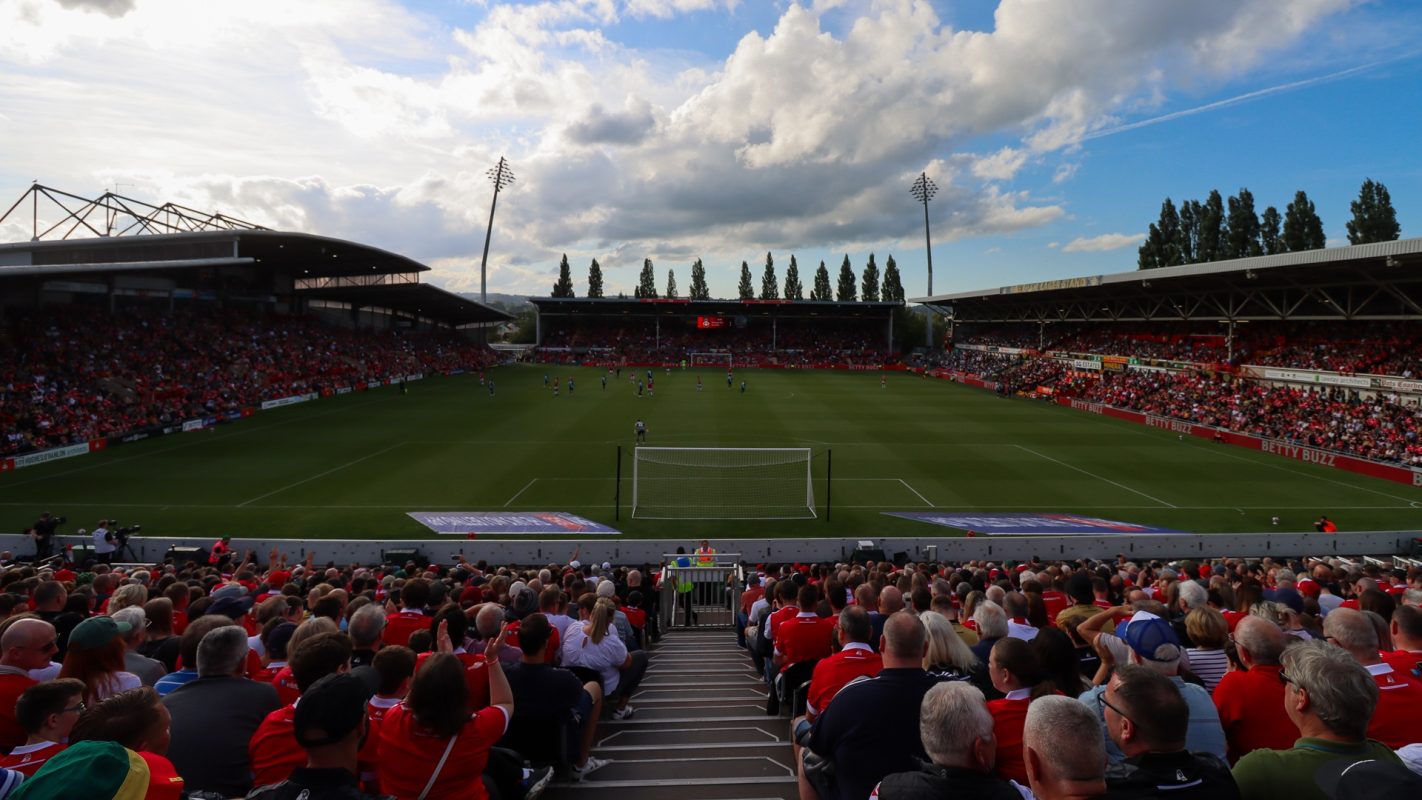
234,607
229,590
281,636
523,603
1308,587
575,564
1346,779
333,707
91,769
1144,633
607,566
97,632
471,594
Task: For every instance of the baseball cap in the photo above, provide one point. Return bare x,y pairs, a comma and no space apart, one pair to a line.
280,636
229,590
1145,633
97,632
234,607
89,769
1368,779
575,564
332,707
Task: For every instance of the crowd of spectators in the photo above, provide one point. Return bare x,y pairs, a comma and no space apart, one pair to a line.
241,680
1224,678
68,378
794,343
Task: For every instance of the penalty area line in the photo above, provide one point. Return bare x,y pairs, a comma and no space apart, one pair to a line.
520,492
1094,475
916,492
246,503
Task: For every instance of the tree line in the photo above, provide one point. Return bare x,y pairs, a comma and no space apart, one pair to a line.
869,287
1220,229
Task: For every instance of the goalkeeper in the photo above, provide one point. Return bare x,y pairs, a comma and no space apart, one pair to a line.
641,428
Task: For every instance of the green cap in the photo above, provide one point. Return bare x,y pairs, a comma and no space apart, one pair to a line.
97,632
91,769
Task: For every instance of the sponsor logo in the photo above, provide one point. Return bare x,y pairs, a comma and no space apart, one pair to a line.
1083,405
343,390
1416,478
192,425
1299,453
1172,425
134,437
286,401
7,465
46,456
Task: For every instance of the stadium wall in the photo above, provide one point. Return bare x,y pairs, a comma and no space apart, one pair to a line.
638,551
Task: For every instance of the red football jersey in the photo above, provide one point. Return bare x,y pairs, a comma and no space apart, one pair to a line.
476,677
285,685
835,672
1251,708
806,637
1395,722
273,749
400,625
28,758
12,685
1009,717
164,782
409,754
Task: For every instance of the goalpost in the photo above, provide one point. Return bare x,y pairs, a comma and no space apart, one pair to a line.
722,483
710,360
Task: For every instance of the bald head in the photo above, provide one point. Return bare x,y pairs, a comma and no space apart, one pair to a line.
905,640
487,621
1260,641
27,644
891,600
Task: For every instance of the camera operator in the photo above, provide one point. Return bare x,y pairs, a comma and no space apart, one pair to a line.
43,534
104,543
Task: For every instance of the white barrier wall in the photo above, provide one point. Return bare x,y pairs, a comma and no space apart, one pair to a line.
638,551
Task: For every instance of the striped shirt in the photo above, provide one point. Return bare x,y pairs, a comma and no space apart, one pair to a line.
1209,665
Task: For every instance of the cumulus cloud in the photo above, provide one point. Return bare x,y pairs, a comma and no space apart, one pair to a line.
1104,242
375,121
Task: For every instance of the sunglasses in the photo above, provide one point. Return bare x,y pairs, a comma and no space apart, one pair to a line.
1104,704
79,709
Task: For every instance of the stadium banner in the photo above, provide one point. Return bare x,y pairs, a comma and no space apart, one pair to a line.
1305,376
508,522
46,456
1081,363
193,425
287,401
7,465
1297,452
418,376
1012,524
343,390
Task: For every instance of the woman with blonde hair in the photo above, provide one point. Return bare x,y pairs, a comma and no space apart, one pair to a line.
948,657
1209,632
130,594
587,644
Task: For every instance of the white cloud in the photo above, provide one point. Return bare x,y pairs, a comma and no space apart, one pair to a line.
376,121
1104,242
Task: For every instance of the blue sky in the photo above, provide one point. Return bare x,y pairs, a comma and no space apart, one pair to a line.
720,129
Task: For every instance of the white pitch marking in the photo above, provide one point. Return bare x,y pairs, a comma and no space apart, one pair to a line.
1097,477
321,474
915,491
520,491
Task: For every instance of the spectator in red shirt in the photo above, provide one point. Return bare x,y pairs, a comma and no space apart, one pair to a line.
1251,701
1395,723
27,644
1406,630
476,673
431,745
273,750
138,720
276,639
411,617
394,666
806,636
329,727
1016,671
47,711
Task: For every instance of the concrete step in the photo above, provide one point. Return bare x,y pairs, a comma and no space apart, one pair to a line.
766,730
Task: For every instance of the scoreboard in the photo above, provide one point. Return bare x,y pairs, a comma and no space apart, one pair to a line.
712,323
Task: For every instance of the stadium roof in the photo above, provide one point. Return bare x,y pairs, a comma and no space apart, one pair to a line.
415,299
1369,281
682,306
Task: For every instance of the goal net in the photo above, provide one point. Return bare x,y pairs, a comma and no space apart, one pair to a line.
711,360
722,483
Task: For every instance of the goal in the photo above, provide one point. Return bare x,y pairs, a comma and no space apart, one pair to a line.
711,360
722,483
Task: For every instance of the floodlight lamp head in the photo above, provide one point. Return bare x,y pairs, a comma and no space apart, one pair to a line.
500,174
924,188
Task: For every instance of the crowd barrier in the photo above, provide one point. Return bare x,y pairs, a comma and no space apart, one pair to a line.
756,551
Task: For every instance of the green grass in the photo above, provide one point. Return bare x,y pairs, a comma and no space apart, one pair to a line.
351,466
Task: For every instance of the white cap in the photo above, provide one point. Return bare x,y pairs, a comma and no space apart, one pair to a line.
575,564
606,565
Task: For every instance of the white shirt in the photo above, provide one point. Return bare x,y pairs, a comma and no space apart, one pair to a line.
1017,630
101,546
606,657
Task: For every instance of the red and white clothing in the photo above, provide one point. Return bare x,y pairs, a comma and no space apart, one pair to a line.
1055,603
268,673
28,758
476,676
273,750
401,624
409,755
1398,719
164,782
1251,708
13,683
1020,628
285,685
1009,717
805,637
1408,662
369,758
834,673
778,616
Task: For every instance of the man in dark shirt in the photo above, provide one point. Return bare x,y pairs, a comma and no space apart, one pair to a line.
44,535
543,692
215,716
49,600
330,724
870,729
956,729
1147,718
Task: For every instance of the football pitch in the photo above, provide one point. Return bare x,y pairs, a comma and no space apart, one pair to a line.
352,466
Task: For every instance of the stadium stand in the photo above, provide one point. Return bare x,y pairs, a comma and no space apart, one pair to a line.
531,721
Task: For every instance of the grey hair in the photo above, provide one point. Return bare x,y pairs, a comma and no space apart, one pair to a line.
1351,629
222,651
953,716
366,626
136,618
1340,691
1262,638
990,619
1193,594
1080,757
995,593
1015,604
